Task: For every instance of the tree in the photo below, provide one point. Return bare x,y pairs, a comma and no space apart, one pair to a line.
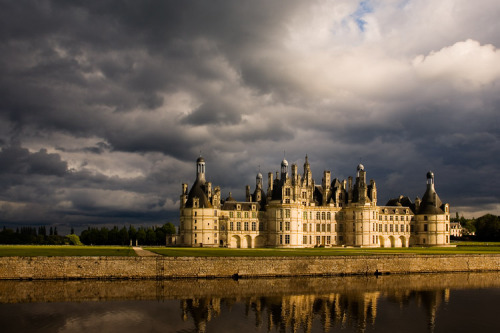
169,228
141,236
74,240
488,228
150,237
124,238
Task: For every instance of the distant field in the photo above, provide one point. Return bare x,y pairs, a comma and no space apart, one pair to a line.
222,252
62,250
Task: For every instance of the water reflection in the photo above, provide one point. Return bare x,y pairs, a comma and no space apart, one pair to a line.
411,303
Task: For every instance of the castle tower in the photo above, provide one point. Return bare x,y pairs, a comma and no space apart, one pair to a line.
432,218
307,173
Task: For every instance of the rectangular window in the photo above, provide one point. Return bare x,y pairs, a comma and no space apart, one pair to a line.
329,228
254,226
261,226
391,228
402,228
425,226
254,215
318,227
231,226
287,226
395,218
246,226
246,215
318,216
287,239
304,227
305,215
323,215
385,227
341,227
380,217
281,226
323,227
287,192
238,226
411,228
304,239
238,214
318,240
396,228
380,227
281,239
328,239
231,214
407,228
328,216
287,213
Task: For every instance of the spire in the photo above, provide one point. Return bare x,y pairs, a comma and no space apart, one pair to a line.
200,169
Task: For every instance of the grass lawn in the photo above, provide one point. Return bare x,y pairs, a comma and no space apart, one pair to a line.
64,250
224,252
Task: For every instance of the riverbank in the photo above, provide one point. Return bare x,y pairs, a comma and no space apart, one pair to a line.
106,290
158,267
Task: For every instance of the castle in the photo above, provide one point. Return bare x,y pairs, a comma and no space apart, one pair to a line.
294,212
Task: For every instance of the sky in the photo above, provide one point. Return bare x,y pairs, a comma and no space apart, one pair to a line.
106,105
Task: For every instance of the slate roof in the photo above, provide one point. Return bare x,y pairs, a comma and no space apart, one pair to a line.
198,191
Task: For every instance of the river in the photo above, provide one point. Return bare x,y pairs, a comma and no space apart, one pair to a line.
458,302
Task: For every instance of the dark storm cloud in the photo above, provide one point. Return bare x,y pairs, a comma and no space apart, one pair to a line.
18,160
110,102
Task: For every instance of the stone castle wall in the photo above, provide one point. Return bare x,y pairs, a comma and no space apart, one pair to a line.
12,291
40,268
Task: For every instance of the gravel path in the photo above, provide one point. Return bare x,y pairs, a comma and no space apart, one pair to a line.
144,253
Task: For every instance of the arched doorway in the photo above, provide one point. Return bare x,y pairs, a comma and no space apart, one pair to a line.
235,242
403,241
381,240
260,241
393,241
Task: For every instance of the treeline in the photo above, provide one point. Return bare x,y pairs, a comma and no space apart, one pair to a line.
34,235
486,227
123,236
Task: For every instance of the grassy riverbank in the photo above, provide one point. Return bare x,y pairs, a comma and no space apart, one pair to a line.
477,248
62,250
57,250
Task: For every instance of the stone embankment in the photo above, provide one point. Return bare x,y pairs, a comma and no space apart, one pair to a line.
158,267
12,291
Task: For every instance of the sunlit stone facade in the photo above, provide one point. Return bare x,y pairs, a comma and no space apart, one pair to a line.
294,212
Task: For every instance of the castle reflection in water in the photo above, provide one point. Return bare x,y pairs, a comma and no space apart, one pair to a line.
410,303
296,313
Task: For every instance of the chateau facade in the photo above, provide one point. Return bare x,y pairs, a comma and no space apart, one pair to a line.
294,212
